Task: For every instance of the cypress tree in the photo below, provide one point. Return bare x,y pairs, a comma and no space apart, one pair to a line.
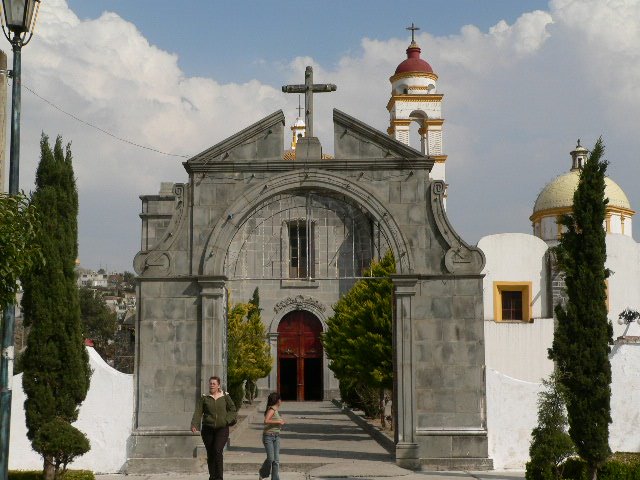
358,340
583,333
56,364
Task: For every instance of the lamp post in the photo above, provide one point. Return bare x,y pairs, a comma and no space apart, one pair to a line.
18,20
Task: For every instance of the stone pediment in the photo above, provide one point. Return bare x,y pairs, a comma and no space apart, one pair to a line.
355,139
263,141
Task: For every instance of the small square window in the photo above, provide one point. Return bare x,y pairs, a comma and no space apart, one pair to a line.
512,301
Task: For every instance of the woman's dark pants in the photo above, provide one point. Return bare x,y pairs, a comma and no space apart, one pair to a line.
215,440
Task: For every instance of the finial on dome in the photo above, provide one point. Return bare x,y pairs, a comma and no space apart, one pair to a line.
413,29
578,157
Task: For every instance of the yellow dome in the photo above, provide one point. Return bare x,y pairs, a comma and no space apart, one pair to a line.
559,193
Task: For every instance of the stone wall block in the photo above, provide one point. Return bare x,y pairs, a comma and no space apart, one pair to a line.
150,289
182,353
444,353
467,402
204,195
434,446
187,331
473,330
394,192
201,216
429,377
442,307
417,216
146,449
439,287
428,329
469,446
151,401
464,306
153,308
423,353
424,399
468,286
163,331
409,191
452,331
171,289
160,378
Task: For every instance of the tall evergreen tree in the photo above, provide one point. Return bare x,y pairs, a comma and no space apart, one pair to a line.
56,365
583,334
358,340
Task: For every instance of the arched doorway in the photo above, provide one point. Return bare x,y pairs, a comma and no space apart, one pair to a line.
300,357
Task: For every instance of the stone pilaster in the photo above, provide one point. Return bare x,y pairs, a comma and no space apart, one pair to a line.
407,455
213,299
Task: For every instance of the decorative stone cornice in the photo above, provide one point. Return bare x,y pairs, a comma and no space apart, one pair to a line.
299,301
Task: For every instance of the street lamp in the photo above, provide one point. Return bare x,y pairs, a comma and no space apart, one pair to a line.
18,21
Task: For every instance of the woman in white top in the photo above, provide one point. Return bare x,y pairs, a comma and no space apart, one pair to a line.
271,437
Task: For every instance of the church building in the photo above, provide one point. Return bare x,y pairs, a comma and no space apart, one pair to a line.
303,226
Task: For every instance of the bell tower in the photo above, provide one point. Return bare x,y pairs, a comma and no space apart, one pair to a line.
414,98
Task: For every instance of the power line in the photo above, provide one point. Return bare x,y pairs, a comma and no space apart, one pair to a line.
124,140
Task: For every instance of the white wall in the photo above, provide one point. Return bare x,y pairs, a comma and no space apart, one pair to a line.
623,259
519,350
106,417
511,415
514,257
512,410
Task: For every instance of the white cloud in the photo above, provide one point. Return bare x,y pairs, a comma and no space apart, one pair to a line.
516,99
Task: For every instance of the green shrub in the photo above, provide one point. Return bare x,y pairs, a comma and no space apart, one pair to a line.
550,442
37,475
612,469
60,443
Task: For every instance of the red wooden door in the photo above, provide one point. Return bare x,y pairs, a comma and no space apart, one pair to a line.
298,341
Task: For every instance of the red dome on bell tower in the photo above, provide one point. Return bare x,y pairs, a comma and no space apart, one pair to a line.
414,63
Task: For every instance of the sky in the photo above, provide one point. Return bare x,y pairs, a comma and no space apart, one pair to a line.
522,81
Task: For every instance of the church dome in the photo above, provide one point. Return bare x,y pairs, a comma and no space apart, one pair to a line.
413,63
559,193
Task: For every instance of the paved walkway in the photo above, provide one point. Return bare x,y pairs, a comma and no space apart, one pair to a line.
318,442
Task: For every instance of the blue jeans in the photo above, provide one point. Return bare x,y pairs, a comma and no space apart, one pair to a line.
271,465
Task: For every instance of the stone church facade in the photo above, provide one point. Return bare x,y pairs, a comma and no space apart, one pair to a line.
304,230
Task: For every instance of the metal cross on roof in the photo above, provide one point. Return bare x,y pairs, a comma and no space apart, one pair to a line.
308,88
413,29
299,107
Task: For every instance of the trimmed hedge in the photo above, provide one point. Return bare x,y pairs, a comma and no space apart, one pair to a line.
617,468
37,475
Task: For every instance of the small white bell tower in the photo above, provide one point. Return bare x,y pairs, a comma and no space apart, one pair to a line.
414,98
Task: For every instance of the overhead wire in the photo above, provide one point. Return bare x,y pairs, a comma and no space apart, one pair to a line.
124,140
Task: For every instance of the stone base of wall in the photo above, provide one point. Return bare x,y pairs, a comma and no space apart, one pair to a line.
137,466
165,451
449,451
456,464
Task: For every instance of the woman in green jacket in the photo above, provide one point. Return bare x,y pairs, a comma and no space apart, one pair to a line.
215,412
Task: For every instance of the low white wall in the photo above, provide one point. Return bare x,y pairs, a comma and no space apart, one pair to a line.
519,350
624,431
511,415
106,417
512,410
